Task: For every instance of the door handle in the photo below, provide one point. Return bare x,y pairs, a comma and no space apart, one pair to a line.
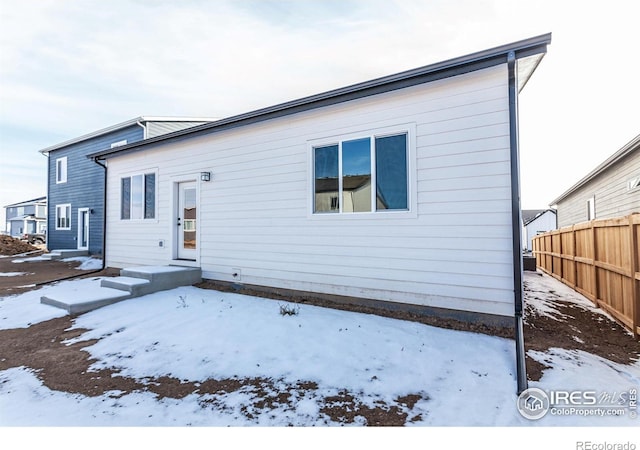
179,224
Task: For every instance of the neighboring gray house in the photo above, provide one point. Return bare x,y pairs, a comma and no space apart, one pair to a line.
76,183
534,222
610,190
27,217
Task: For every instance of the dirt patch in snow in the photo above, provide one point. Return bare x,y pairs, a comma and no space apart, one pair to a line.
64,367
573,326
36,272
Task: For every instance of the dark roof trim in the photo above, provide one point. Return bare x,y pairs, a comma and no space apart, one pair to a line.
28,202
457,66
630,147
527,221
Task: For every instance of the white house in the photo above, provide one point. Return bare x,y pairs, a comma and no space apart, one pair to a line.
403,191
536,221
28,217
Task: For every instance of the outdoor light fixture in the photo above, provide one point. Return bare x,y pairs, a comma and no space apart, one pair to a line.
205,176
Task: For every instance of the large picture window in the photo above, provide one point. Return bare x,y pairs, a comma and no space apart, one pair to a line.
138,197
345,172
63,217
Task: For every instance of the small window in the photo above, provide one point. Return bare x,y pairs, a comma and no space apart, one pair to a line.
61,170
633,184
362,175
138,197
591,208
63,217
119,143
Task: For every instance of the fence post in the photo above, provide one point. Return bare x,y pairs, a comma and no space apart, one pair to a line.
634,254
575,254
594,268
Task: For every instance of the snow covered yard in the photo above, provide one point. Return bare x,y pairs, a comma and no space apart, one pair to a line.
235,360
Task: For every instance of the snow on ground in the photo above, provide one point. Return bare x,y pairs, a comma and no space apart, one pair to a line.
12,274
20,311
543,291
86,262
465,379
24,260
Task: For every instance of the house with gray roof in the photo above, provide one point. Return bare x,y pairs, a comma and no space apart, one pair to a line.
397,193
610,190
534,222
26,217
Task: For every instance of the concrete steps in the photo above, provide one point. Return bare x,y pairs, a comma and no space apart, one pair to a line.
62,254
132,282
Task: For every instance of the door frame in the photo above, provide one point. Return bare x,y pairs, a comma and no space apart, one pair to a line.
81,227
175,204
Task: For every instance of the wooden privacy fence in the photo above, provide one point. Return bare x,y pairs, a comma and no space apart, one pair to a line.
601,260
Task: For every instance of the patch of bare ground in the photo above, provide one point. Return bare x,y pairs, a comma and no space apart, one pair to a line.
574,327
34,274
12,246
67,367
63,367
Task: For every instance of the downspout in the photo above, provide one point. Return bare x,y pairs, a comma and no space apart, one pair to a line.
516,223
104,215
144,136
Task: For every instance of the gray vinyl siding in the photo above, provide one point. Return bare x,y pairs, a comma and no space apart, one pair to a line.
612,197
159,128
84,189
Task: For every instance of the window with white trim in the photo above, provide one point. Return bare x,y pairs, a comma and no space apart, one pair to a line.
63,217
591,208
365,174
61,170
138,197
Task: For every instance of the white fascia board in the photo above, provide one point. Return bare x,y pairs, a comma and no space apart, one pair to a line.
119,126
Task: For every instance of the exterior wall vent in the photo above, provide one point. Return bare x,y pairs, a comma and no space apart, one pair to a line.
119,143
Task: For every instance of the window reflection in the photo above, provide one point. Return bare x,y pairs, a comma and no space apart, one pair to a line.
189,221
326,179
343,175
356,175
391,172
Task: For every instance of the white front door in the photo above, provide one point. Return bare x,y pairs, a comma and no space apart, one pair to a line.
83,228
186,223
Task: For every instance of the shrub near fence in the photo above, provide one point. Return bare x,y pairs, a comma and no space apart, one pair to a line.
601,260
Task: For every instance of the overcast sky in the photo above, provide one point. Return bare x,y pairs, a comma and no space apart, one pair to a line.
68,68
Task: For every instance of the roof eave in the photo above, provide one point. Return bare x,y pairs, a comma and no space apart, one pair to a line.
455,66
626,150
120,126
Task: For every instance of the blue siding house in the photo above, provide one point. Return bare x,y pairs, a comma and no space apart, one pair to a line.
76,184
